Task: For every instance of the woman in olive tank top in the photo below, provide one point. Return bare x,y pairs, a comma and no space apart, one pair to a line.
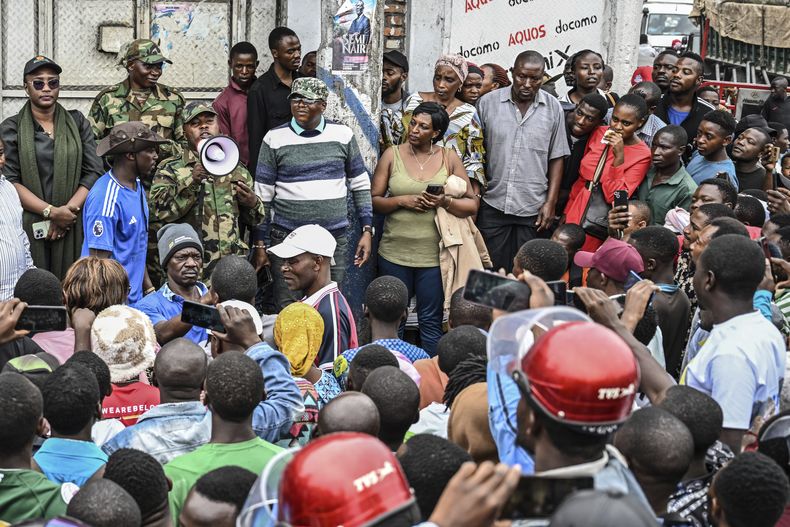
409,248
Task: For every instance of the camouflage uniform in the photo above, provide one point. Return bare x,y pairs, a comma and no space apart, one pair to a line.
174,198
161,111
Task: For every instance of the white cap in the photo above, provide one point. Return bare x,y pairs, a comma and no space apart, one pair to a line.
244,306
312,239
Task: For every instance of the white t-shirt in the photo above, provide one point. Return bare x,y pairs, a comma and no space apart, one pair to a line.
742,366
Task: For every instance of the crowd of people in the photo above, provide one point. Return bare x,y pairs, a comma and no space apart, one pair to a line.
211,371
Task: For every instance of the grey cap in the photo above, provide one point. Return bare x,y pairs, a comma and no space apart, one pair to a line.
174,237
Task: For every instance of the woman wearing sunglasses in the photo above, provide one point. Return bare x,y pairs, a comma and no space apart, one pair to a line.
51,160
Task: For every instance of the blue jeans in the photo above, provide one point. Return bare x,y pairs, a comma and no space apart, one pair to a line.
426,282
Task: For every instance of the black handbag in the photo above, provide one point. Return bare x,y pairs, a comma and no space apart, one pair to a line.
595,220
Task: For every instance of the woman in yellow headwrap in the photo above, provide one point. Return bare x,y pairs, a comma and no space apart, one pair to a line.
298,332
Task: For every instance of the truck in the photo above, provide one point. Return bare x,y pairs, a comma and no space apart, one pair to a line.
667,22
744,40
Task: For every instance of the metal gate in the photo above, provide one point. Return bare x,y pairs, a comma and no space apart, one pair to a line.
84,37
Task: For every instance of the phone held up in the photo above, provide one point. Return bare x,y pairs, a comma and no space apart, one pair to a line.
496,291
620,198
538,497
202,316
43,318
435,190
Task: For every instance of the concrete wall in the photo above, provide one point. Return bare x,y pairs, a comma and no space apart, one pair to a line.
430,32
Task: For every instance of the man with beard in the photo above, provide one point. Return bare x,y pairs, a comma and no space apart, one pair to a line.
184,192
395,73
231,103
777,107
746,152
663,68
680,105
267,100
115,217
141,97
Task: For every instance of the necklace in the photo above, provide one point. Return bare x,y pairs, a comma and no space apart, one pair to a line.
421,165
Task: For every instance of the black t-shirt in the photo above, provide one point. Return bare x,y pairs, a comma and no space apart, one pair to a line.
751,180
777,111
673,311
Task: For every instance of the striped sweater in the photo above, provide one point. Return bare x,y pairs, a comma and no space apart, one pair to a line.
305,178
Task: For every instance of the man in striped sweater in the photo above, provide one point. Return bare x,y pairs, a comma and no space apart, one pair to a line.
305,170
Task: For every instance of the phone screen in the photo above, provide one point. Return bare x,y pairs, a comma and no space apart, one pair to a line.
201,315
43,318
560,290
540,497
496,291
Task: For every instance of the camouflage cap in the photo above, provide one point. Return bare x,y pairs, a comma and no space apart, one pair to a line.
146,51
132,136
309,88
195,108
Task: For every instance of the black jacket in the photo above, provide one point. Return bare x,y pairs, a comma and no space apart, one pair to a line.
690,124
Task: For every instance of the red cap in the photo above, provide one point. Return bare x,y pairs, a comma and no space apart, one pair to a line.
347,479
582,374
614,258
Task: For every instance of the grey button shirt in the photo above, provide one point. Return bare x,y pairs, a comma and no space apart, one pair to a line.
519,148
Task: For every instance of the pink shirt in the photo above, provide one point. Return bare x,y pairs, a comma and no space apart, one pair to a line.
57,343
231,108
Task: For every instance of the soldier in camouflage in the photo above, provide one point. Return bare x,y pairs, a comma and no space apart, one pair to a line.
140,97
184,192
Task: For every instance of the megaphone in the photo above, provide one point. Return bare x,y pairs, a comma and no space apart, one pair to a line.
219,155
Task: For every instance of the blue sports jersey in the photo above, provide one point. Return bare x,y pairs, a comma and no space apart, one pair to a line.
115,219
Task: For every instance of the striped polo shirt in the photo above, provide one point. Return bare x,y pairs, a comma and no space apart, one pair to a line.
303,176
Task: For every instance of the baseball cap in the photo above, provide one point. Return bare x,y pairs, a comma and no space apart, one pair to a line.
615,259
38,62
602,508
195,108
132,136
146,51
309,88
397,58
244,306
312,239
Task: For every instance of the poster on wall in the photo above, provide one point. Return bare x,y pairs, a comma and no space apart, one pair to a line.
498,30
352,28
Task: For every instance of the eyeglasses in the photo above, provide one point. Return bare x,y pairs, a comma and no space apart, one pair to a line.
53,84
302,100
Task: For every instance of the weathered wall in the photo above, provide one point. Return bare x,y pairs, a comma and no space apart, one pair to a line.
488,31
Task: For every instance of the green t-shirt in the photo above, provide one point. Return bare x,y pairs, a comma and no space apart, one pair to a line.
185,470
28,495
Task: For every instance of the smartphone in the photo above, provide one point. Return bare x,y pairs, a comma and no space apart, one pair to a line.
43,318
772,154
539,497
201,315
560,290
631,280
620,198
265,276
41,229
496,291
436,190
572,299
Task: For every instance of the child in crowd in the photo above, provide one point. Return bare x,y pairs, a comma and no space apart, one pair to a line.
713,136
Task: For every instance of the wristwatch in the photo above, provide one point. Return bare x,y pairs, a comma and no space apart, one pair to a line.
47,212
369,228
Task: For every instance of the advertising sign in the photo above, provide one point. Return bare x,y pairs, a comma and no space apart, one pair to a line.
497,30
352,28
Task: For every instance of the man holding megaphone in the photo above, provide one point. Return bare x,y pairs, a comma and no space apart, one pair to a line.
208,188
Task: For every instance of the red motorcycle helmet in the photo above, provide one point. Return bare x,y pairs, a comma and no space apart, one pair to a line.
581,374
345,479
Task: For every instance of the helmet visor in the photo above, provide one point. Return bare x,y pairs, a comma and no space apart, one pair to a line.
260,509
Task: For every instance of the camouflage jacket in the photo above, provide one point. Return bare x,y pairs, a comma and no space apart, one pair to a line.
162,112
174,198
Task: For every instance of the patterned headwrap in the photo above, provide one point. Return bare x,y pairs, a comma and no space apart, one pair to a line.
298,332
500,74
456,63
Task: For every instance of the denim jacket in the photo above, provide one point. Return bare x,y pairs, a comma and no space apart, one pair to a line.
273,417
166,431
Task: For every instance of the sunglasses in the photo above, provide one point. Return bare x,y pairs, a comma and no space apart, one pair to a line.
306,102
53,84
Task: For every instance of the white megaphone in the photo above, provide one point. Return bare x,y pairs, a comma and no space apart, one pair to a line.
219,155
